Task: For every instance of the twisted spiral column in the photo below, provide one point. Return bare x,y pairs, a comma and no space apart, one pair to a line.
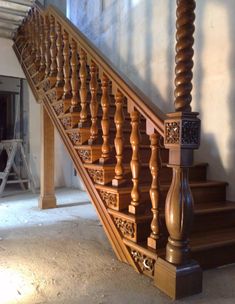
184,54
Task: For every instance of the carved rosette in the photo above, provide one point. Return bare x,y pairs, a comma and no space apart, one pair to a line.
145,263
58,108
85,155
182,131
96,175
110,199
66,122
75,138
126,228
52,95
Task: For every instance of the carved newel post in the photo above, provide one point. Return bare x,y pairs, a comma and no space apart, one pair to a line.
178,275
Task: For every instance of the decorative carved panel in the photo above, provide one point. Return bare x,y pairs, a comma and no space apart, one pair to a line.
66,122
126,228
52,95
59,107
146,264
75,138
110,199
172,132
85,155
32,70
96,175
190,132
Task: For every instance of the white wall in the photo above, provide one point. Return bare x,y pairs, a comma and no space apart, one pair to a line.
9,66
138,37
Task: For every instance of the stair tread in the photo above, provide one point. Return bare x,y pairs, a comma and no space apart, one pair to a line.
213,238
195,184
214,207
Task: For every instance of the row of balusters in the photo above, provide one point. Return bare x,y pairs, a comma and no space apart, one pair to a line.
57,56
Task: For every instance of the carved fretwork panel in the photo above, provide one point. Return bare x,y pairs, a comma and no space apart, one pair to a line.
85,155
126,228
59,108
32,70
66,122
51,95
190,132
96,175
75,138
172,131
110,199
144,263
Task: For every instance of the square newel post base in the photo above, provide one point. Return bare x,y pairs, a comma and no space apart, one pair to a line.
178,281
47,202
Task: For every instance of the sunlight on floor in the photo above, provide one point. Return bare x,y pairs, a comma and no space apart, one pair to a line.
14,286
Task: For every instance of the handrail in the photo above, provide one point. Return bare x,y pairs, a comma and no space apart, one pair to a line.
139,100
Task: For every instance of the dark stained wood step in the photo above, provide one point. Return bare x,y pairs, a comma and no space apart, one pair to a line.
214,248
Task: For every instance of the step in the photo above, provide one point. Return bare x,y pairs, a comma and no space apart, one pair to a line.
203,191
214,248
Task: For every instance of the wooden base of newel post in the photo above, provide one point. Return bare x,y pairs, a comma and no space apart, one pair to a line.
178,275
178,281
47,197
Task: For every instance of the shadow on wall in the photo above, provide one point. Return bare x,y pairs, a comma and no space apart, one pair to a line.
138,38
217,113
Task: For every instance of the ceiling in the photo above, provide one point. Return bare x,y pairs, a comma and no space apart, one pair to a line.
12,12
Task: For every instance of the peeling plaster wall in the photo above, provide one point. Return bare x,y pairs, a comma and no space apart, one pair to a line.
138,37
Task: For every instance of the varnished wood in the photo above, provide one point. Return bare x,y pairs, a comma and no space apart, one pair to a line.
47,46
74,77
37,38
94,103
105,120
119,120
42,47
53,50
184,54
66,53
154,192
83,88
59,57
135,205
47,197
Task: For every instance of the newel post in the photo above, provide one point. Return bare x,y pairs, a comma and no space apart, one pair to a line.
178,275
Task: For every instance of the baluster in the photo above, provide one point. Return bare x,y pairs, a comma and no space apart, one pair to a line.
37,39
135,206
154,166
94,103
83,88
105,120
59,57
182,136
53,50
42,48
66,68
47,46
74,79
118,142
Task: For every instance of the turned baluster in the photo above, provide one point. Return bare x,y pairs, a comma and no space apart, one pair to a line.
66,68
53,50
93,103
59,57
105,119
47,46
37,39
135,205
154,166
83,88
118,142
74,78
42,47
182,136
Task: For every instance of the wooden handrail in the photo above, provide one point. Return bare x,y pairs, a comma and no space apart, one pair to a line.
140,101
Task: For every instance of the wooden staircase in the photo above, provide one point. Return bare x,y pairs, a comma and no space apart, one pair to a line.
121,143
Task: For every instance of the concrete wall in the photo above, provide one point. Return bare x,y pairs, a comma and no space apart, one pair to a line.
138,37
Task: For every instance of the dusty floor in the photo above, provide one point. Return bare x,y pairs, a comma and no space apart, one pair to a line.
62,256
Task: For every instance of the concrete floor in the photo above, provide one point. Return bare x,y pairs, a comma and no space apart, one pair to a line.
62,256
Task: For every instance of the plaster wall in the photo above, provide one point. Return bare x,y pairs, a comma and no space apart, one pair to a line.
138,37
